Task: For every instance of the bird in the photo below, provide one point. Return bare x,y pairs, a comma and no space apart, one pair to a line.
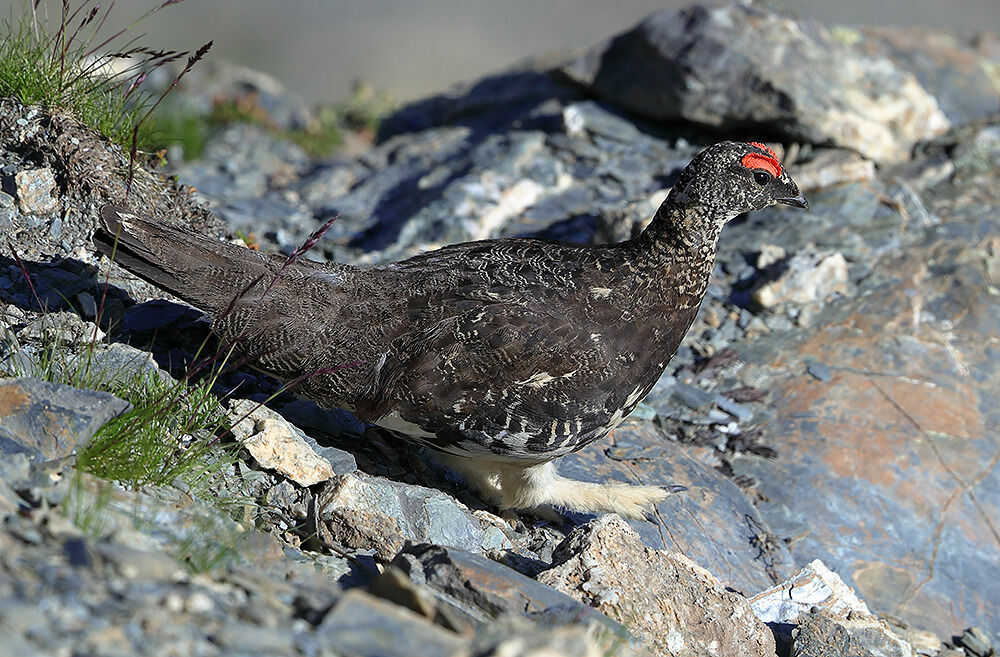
500,355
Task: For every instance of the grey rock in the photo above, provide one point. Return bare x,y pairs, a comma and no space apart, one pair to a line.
372,513
511,636
237,637
881,537
705,64
778,323
980,154
118,362
138,564
361,625
56,284
8,209
333,422
86,304
678,608
947,65
246,214
805,277
850,219
737,410
976,642
524,94
831,167
61,327
214,82
591,118
923,642
161,315
692,397
49,420
814,587
10,501
36,191
341,462
820,372
739,552
481,589
825,634
241,162
55,228
453,184
289,499
326,182
495,539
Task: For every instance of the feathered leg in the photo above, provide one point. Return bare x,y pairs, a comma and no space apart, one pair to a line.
513,486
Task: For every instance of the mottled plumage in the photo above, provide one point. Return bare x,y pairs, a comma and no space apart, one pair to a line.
504,354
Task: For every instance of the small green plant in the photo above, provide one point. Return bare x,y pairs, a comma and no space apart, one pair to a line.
173,435
168,435
201,554
66,63
361,113
189,129
86,506
365,108
317,140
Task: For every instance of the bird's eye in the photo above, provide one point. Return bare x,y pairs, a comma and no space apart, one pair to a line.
762,177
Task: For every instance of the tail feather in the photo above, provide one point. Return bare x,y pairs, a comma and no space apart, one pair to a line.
199,270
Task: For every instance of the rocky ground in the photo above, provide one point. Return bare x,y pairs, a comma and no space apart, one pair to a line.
833,414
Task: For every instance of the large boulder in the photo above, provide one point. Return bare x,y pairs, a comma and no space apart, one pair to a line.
887,470
743,66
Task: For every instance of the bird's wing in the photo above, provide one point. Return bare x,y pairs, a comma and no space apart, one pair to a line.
506,376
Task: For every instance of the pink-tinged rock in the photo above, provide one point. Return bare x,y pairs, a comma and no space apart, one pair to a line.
677,607
888,472
276,444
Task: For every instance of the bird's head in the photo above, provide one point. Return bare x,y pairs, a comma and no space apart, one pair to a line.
733,177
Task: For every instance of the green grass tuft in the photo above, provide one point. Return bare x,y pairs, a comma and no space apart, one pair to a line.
66,63
361,113
28,73
169,436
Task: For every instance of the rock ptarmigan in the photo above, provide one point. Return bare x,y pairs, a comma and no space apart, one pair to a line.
502,355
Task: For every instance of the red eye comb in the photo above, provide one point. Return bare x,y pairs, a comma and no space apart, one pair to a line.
767,162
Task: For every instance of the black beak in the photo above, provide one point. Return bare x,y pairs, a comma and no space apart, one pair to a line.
795,201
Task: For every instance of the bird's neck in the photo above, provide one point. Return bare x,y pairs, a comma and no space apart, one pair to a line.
682,238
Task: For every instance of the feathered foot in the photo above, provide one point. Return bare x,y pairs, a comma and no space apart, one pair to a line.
513,486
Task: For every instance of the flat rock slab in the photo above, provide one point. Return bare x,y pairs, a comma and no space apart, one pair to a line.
381,515
888,471
677,607
50,420
744,66
712,522
361,625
